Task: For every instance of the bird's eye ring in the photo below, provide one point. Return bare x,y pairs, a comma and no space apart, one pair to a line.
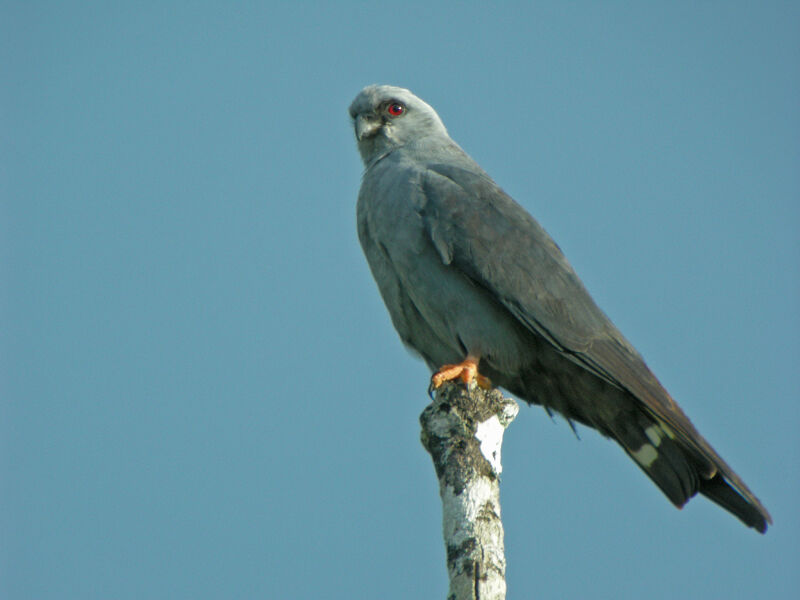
395,109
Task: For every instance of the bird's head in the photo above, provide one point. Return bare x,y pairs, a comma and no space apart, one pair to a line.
387,117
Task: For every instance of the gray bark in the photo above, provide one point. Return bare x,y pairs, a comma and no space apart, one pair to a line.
462,429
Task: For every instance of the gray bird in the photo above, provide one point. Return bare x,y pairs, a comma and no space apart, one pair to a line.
470,278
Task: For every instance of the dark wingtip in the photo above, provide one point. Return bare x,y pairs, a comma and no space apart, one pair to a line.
751,514
680,476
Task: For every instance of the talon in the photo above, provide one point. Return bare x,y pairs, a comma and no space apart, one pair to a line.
466,371
483,381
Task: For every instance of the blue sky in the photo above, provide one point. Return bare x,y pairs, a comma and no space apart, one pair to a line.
202,394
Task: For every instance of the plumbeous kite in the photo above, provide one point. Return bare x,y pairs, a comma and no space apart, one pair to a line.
471,279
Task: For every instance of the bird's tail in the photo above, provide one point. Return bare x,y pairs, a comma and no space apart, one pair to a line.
717,489
681,471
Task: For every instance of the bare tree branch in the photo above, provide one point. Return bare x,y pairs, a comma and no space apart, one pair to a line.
462,429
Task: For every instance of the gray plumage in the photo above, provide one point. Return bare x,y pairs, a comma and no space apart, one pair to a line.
465,270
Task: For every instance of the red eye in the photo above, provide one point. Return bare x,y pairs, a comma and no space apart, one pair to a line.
396,109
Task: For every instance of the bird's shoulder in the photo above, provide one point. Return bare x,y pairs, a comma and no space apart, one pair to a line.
484,233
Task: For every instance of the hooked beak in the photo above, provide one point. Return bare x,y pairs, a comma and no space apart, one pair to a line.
366,126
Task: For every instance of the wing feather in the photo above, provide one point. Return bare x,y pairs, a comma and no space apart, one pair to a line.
482,231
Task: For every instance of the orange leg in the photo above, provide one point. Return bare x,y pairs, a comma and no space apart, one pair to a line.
466,371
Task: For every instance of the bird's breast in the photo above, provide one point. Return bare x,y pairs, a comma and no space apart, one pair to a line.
436,308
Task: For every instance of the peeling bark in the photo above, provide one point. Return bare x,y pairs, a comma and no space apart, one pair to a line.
462,429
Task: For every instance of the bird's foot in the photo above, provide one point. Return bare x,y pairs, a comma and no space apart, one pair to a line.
466,371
